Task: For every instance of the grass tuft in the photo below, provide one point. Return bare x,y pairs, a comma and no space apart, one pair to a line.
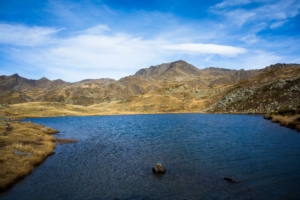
27,138
65,141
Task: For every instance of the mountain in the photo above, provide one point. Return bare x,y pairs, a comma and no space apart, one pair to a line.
170,87
233,76
18,83
181,70
177,68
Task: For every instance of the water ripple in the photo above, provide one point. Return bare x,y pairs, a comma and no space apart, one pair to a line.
114,156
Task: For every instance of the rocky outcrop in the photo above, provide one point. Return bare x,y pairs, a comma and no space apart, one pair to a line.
235,76
264,98
159,168
281,65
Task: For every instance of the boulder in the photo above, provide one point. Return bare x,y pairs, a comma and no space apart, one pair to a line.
230,180
159,168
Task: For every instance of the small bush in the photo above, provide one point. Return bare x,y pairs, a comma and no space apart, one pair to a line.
287,111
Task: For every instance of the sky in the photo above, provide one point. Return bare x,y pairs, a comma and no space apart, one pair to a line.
74,40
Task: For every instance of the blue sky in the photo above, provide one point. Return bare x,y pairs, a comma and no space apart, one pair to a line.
79,39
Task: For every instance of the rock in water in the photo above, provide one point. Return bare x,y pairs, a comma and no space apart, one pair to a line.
159,168
230,180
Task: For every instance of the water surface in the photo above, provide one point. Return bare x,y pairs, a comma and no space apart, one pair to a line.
114,156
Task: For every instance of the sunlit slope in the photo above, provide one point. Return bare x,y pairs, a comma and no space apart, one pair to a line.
171,87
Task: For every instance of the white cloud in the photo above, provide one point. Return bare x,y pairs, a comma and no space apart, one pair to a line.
21,35
254,59
97,29
259,59
274,13
277,24
227,3
98,52
250,39
208,58
240,17
198,48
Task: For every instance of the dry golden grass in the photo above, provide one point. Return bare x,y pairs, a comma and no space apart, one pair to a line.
291,121
22,146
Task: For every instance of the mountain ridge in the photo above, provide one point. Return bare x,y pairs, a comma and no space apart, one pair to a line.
169,87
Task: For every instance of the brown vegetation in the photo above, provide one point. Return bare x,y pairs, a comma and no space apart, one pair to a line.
286,117
176,87
170,87
22,146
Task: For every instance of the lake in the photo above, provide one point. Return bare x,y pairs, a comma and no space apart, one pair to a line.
114,156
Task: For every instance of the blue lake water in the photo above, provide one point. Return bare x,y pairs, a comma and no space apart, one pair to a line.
114,156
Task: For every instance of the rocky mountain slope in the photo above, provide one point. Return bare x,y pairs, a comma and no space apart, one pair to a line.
18,83
171,87
170,70
278,87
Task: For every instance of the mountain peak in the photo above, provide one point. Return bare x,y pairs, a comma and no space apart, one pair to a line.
15,75
44,79
176,68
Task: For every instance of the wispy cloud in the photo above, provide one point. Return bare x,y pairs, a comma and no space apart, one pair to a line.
194,48
101,50
92,40
271,12
240,17
250,39
21,35
277,24
230,3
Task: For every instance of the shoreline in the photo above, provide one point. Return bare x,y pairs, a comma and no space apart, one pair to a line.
23,146
34,143
288,121
43,109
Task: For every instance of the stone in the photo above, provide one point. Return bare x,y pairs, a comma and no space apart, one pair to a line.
159,168
21,153
230,180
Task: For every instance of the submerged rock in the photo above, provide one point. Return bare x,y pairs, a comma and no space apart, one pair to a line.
159,168
230,180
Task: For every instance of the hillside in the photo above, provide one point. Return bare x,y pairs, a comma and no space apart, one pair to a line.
171,87
18,83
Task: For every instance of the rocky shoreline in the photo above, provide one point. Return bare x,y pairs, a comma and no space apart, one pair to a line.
25,145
